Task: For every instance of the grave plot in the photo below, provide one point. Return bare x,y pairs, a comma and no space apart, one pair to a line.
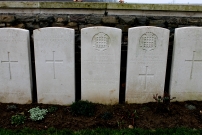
186,73
55,65
100,64
146,63
15,66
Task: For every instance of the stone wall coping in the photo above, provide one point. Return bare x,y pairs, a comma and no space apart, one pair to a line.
98,6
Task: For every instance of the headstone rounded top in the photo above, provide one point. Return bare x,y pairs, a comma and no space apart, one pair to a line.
100,27
14,29
149,27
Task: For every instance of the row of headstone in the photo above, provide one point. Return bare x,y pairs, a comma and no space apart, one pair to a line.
100,64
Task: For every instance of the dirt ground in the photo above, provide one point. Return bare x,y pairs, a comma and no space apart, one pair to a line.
146,116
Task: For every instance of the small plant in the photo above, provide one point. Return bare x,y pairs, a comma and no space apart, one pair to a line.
84,108
52,109
18,119
11,107
120,123
106,115
37,113
166,98
134,116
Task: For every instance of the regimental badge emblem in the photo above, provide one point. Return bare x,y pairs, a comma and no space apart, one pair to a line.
101,41
148,41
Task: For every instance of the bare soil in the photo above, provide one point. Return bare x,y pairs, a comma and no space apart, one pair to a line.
147,116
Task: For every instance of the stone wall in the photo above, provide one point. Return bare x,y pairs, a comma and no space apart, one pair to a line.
121,16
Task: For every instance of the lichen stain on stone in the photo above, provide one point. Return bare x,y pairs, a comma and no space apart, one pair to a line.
71,5
94,5
4,5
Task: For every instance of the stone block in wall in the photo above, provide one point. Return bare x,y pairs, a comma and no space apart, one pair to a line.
194,21
158,23
179,26
61,19
94,19
7,18
142,20
25,18
127,20
44,24
20,25
110,20
124,28
46,18
173,20
57,24
72,25
183,21
173,25
31,25
77,18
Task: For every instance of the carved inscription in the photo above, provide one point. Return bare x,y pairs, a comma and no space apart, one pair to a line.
145,75
9,64
101,41
148,41
192,63
53,61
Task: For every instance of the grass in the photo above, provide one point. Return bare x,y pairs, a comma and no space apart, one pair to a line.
101,131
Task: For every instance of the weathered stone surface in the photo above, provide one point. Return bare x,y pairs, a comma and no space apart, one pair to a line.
127,20
21,25
146,63
94,19
78,18
156,22
142,20
187,64
73,25
55,65
32,26
15,68
44,24
173,20
61,19
57,24
46,18
183,21
110,20
25,18
100,64
7,18
194,21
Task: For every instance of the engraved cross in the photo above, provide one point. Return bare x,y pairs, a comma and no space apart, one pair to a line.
145,77
192,63
54,62
9,64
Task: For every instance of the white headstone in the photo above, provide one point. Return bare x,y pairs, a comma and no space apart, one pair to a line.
15,69
55,65
146,64
186,74
100,64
